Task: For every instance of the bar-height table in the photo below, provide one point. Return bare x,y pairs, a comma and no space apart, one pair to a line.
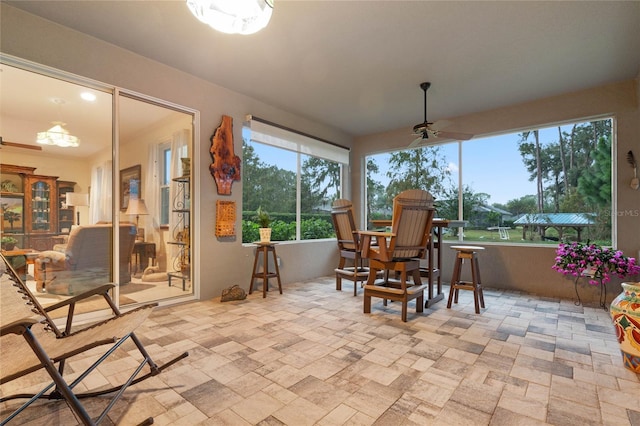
433,272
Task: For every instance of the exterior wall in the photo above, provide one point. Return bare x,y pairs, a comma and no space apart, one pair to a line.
219,264
527,268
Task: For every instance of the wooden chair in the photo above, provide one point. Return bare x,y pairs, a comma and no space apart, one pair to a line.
348,245
30,340
399,251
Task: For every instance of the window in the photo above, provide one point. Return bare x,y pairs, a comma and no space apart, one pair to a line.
165,180
537,186
294,177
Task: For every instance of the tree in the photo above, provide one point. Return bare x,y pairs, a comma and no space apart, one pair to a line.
323,180
377,198
266,185
596,185
421,168
522,205
448,205
535,149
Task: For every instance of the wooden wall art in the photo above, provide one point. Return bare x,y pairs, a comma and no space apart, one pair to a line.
225,218
226,165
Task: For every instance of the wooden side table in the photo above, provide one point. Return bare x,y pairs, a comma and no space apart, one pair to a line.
20,260
265,249
142,251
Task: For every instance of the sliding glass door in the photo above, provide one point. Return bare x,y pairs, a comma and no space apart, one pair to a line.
80,159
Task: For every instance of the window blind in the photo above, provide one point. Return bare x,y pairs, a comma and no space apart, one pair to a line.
268,133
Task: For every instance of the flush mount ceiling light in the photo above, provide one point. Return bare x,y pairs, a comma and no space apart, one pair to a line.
58,136
233,16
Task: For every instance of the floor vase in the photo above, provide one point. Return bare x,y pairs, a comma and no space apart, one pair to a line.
625,313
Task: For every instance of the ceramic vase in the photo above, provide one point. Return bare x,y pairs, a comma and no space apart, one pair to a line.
265,235
625,313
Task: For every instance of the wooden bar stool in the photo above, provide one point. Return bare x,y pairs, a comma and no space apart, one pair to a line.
470,253
265,249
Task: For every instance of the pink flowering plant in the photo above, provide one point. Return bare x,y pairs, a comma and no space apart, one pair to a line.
597,262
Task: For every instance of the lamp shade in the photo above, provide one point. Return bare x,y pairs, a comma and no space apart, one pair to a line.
77,199
136,207
233,16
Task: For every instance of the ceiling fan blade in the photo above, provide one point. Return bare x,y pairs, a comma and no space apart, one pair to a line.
416,142
20,145
454,135
440,124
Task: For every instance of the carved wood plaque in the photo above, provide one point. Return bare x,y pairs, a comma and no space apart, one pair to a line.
226,165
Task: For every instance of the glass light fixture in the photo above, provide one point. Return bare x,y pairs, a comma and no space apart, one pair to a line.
233,16
58,136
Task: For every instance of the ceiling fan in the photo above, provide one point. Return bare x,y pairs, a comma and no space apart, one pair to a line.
19,145
428,130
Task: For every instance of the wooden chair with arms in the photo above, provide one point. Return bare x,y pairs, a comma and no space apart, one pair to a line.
30,341
348,245
399,251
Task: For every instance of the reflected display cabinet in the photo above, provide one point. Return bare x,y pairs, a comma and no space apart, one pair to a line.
32,209
41,197
40,212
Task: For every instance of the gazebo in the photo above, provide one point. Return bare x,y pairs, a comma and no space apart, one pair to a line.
559,221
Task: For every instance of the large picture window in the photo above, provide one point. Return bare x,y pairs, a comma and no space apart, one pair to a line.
537,186
294,177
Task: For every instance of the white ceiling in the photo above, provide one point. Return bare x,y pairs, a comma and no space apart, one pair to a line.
357,65
48,100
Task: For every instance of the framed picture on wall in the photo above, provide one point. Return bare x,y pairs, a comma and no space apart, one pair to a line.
12,208
130,184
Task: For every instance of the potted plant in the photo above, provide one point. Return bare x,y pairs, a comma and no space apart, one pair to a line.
593,261
264,222
8,243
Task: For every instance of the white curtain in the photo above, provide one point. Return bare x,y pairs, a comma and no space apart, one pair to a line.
151,196
101,197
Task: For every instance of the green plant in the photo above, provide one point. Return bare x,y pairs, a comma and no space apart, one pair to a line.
262,217
601,263
8,240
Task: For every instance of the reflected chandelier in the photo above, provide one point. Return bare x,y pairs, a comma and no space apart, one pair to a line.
233,16
58,136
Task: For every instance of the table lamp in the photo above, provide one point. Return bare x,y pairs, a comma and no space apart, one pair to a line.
75,199
137,207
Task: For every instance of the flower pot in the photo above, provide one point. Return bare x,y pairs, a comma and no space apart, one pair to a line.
625,313
8,246
265,235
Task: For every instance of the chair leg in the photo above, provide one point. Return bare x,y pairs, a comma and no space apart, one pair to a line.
419,300
477,282
405,301
367,304
453,291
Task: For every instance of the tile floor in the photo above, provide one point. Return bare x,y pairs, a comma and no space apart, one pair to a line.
311,357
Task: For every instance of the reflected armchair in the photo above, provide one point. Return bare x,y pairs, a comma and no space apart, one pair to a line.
85,260
399,251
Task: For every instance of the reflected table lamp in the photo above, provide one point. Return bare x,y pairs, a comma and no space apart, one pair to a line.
75,199
137,207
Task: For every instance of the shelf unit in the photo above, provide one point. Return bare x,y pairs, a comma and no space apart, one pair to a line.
180,234
65,213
